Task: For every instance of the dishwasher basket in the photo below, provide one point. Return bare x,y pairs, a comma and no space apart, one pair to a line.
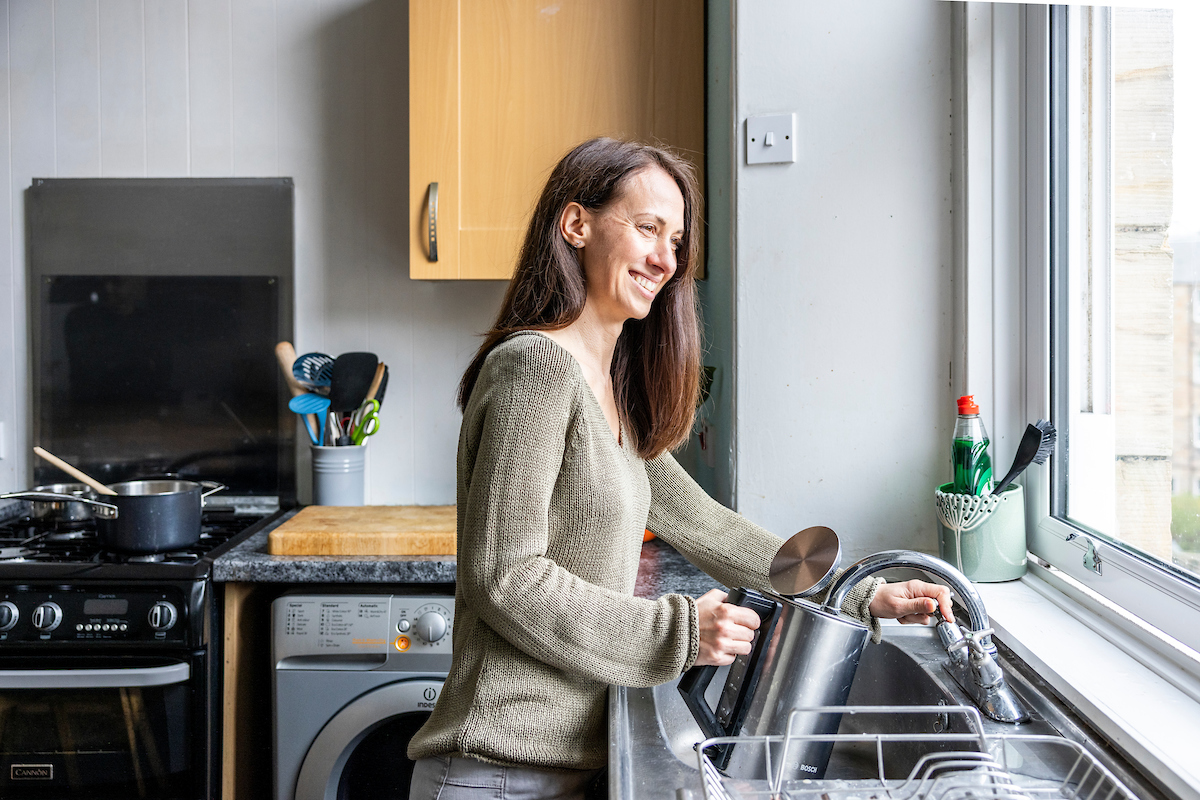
972,765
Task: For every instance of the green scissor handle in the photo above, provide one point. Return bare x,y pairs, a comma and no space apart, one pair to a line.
365,422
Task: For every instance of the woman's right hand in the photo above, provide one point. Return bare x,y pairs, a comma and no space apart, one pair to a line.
726,630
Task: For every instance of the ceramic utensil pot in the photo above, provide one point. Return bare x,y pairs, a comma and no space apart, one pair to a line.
155,516
64,504
803,656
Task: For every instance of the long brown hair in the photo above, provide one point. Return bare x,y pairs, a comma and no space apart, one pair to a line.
656,364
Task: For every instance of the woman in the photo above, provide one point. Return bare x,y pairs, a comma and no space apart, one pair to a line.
570,408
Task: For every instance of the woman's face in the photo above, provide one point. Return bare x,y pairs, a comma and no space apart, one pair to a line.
629,246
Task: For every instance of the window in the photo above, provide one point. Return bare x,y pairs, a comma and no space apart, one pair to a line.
1124,308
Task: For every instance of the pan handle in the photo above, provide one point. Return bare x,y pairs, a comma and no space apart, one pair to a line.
211,487
103,510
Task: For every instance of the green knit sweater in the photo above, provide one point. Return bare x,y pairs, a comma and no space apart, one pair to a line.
551,511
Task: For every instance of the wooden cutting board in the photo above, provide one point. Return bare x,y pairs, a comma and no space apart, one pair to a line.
366,531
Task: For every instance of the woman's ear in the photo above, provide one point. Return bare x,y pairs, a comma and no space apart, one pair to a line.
573,225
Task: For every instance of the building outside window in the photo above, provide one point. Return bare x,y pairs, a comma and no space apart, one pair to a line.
1125,285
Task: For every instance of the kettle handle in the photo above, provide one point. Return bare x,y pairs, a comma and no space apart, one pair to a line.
695,681
692,686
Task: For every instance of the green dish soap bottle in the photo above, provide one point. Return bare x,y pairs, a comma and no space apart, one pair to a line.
969,453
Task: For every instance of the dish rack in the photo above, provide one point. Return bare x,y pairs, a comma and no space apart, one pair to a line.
976,765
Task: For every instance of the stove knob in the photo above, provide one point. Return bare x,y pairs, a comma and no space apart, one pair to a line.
431,626
9,614
162,617
47,617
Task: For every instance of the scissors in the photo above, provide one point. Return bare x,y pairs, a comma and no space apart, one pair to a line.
364,422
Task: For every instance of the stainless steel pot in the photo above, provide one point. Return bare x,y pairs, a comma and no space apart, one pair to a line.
70,503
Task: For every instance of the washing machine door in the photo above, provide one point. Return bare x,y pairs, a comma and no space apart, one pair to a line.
360,753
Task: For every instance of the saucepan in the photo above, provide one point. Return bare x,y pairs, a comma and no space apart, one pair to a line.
144,516
154,516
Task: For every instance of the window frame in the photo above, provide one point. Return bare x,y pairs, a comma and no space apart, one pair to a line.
1161,595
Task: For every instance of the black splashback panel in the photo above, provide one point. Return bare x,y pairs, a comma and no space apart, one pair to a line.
155,308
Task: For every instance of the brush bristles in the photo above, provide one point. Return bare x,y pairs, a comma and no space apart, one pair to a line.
1049,437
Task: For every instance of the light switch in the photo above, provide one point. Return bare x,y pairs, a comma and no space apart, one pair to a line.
771,139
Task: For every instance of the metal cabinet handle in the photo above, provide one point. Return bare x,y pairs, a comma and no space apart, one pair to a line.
433,189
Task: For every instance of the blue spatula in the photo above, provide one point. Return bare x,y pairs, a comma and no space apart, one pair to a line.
311,404
314,370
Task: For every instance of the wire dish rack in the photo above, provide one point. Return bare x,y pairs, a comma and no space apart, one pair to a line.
948,765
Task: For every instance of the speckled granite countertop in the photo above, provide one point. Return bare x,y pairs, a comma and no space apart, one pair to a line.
662,569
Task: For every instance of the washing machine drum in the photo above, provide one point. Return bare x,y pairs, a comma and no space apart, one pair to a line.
360,754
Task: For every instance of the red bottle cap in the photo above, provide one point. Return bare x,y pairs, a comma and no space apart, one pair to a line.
966,405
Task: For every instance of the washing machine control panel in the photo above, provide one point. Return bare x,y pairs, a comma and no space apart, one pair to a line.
363,628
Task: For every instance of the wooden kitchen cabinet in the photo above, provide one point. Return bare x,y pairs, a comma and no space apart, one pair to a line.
500,90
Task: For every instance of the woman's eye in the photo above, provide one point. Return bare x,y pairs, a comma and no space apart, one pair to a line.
648,229
675,244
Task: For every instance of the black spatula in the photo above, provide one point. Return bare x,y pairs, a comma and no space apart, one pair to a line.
350,380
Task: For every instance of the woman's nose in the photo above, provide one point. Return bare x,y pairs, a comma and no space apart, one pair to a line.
663,257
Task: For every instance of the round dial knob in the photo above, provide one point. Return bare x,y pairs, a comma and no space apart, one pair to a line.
47,617
431,626
9,614
162,616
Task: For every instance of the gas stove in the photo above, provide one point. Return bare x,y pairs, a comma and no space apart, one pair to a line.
33,549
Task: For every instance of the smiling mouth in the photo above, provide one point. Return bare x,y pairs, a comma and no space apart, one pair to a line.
645,283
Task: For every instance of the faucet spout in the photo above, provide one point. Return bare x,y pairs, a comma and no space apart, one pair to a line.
972,654
960,583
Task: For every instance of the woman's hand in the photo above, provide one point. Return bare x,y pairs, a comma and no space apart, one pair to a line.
911,602
726,630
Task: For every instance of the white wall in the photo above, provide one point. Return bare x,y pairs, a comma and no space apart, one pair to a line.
844,281
311,89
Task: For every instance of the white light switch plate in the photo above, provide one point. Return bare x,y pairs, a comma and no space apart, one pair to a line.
771,139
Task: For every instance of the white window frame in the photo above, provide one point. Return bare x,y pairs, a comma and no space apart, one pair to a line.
1008,228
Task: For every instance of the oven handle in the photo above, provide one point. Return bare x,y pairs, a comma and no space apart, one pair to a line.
94,678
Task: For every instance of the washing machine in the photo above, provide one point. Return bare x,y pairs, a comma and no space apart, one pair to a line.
355,676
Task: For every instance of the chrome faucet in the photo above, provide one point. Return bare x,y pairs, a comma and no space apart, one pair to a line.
972,655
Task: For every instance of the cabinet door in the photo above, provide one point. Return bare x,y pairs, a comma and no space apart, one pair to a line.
500,90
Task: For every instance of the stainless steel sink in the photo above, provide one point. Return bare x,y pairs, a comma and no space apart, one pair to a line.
653,735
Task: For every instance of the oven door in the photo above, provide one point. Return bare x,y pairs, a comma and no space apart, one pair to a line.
72,728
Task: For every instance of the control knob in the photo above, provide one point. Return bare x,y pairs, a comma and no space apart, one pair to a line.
431,626
47,617
9,614
162,616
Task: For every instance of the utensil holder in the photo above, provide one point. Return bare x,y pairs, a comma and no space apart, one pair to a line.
983,536
338,475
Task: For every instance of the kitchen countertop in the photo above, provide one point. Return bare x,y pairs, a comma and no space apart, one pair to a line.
250,562
662,568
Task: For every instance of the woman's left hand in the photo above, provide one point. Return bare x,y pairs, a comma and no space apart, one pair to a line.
911,602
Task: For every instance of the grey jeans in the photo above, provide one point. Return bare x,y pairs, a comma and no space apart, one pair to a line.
456,778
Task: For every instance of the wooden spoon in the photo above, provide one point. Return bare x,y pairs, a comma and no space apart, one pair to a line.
285,354
73,472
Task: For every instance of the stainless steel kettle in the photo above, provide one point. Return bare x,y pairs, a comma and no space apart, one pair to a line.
803,655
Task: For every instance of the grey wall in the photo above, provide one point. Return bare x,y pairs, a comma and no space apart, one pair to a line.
311,89
844,301
832,326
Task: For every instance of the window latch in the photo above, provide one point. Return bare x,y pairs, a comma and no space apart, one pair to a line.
1091,553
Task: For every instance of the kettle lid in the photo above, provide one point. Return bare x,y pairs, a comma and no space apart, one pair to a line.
806,562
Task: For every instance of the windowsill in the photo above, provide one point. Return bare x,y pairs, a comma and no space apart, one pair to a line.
1155,723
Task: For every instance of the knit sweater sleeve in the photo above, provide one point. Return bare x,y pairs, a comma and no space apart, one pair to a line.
521,413
722,542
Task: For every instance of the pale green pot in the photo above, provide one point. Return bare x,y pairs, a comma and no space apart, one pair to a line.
995,550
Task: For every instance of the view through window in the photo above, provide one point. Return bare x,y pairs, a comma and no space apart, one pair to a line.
1133,121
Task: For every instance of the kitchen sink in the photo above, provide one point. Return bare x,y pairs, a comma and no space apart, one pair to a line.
653,735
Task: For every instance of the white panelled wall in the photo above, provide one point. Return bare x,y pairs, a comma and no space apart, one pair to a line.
315,90
845,304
